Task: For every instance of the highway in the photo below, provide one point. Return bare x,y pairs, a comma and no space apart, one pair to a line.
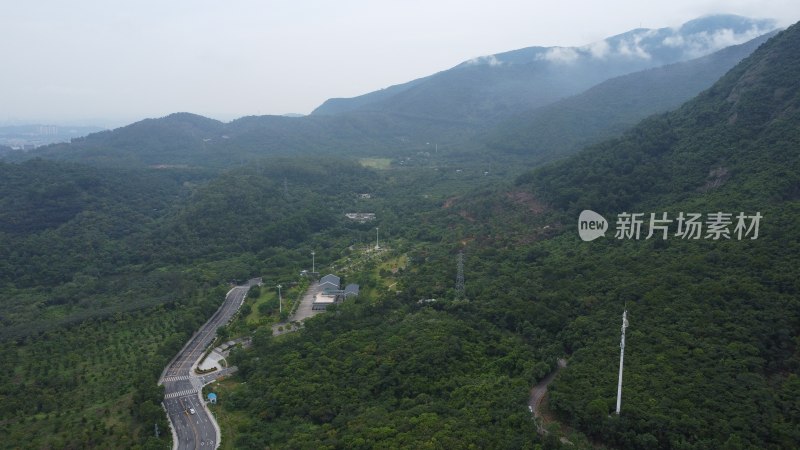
183,387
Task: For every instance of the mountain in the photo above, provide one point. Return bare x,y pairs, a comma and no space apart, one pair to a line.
609,108
184,139
713,357
712,352
496,86
450,108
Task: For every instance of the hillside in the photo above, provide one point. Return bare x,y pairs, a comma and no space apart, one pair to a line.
712,354
611,107
713,357
108,271
493,87
188,140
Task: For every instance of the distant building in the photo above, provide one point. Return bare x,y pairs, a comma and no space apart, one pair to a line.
365,196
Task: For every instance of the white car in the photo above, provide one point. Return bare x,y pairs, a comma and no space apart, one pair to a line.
192,411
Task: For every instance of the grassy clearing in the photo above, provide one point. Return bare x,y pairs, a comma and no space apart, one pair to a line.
376,163
258,316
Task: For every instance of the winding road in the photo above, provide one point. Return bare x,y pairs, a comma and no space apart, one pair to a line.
193,426
537,395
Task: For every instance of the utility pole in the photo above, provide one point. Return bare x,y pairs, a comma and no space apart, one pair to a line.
621,358
460,276
280,302
312,262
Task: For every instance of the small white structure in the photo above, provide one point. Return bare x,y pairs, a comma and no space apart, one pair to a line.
360,217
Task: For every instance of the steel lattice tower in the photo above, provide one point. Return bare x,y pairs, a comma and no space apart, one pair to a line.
460,276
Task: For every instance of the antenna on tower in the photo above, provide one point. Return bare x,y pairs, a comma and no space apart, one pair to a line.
460,276
621,358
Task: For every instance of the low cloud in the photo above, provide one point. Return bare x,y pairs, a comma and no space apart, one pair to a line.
699,44
599,49
489,60
632,47
564,55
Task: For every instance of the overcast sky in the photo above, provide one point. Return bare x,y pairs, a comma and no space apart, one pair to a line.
114,62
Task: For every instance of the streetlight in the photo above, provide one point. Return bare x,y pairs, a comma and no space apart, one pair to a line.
280,302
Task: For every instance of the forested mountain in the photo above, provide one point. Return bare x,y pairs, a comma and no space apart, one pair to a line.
493,87
105,272
63,226
715,357
613,106
449,108
712,355
188,140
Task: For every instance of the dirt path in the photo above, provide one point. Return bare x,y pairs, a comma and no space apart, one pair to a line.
538,392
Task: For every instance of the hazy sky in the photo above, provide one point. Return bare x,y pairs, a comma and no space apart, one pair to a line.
114,62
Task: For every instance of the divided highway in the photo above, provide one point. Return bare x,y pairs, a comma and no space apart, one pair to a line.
192,424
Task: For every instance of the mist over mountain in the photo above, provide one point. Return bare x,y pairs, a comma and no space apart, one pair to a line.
492,87
611,107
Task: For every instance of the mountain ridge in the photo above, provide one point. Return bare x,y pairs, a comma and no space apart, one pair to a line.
609,108
497,85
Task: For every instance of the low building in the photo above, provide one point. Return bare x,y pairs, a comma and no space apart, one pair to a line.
331,293
330,283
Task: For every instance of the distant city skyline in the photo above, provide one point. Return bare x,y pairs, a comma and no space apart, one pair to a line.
107,64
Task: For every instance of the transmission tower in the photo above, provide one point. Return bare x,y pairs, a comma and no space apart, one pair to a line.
460,276
621,358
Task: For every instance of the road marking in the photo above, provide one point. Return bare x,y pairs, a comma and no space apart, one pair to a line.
177,378
181,393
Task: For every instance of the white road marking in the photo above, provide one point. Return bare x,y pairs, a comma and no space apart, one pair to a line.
181,393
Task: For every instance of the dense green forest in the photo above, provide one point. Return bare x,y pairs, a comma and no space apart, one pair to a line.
106,272
713,355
